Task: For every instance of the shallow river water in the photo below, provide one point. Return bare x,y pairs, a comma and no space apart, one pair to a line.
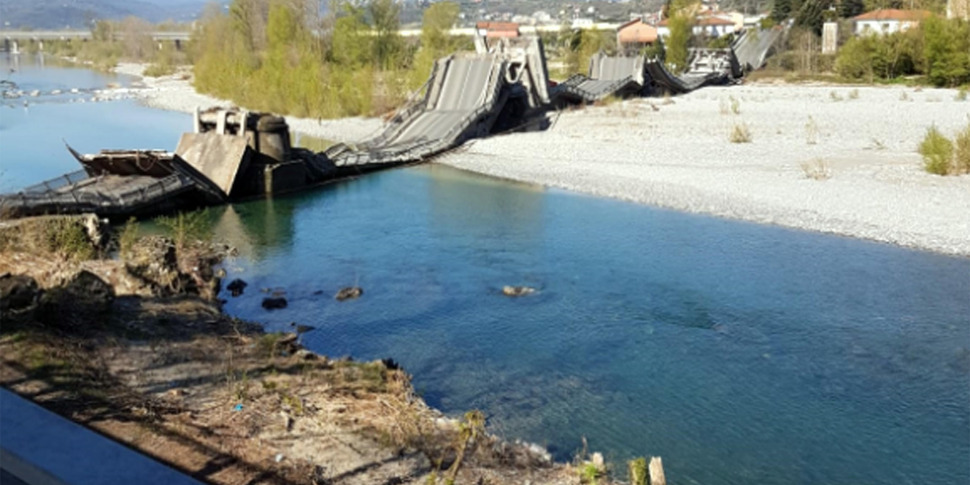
740,353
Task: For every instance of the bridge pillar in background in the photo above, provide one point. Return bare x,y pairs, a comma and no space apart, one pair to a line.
40,45
178,45
6,44
160,47
16,47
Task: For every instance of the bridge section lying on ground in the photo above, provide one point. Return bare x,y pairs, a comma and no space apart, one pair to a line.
754,46
608,75
461,100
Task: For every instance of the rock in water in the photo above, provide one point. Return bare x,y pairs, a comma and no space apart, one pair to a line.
274,303
349,293
517,290
236,287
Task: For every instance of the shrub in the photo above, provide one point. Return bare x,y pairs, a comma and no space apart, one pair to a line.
128,236
961,154
961,94
741,133
937,152
854,94
187,228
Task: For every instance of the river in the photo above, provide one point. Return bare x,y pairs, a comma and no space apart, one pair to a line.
738,352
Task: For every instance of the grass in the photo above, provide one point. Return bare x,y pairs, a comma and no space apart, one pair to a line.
57,235
834,96
937,152
127,237
741,133
638,471
904,96
854,94
589,474
816,169
961,94
186,228
812,133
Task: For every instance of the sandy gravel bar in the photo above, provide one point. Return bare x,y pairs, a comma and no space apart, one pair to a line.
677,154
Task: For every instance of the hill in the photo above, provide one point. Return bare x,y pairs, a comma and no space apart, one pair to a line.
78,14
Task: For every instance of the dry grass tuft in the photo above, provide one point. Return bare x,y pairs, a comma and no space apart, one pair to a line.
741,133
816,169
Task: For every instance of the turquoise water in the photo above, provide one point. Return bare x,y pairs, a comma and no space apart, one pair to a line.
740,353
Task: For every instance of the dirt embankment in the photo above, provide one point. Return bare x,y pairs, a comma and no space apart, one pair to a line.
138,349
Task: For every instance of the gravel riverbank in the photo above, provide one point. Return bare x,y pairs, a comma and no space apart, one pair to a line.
839,160
833,159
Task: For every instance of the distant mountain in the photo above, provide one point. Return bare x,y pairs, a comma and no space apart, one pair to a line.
78,14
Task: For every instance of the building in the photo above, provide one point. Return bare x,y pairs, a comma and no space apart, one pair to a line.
711,26
496,30
888,21
635,34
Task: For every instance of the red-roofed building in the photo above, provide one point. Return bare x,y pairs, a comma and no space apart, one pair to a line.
888,21
636,33
495,30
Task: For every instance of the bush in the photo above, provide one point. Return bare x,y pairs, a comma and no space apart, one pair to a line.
937,152
961,154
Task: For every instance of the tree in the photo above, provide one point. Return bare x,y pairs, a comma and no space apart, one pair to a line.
388,44
681,25
435,39
781,10
350,45
946,48
851,8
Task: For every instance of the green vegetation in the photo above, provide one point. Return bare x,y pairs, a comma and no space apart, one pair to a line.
937,152
638,471
583,44
128,237
961,152
938,49
64,236
124,40
589,474
187,228
263,54
681,23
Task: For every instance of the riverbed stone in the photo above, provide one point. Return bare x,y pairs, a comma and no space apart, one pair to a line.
274,302
349,293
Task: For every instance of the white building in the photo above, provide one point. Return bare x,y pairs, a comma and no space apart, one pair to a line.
888,21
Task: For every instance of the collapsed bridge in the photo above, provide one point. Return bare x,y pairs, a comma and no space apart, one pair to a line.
234,154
